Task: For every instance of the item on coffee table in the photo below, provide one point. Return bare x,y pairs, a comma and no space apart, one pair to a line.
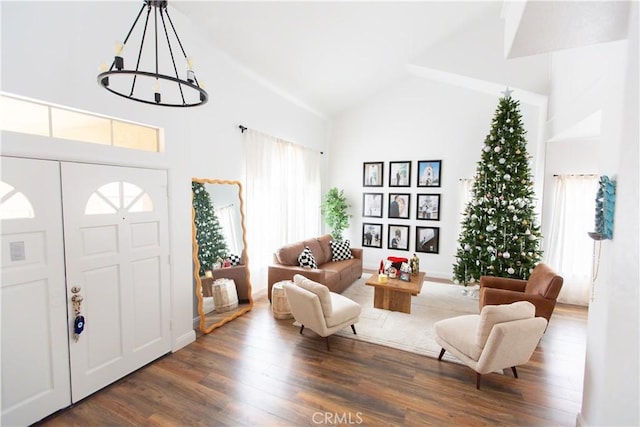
392,272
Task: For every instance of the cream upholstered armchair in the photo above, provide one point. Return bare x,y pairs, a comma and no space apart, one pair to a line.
322,311
501,336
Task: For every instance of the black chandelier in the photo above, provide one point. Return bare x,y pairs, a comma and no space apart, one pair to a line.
153,87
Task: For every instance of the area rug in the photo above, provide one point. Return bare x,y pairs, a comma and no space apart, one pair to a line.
409,332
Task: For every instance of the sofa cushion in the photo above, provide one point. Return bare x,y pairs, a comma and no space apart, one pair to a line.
340,250
326,248
321,290
306,259
494,314
316,250
288,254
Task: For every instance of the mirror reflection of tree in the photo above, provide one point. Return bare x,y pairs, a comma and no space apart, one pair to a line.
212,245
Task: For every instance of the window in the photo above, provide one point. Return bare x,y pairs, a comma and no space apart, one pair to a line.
118,196
14,204
38,118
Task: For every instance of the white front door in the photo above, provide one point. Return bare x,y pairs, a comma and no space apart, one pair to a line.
117,256
35,355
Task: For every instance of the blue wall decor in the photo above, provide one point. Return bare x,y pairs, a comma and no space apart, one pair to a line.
605,208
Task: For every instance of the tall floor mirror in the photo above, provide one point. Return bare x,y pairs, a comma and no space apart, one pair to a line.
221,266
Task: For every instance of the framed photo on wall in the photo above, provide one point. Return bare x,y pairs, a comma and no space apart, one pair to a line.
372,205
399,205
371,235
428,207
373,174
428,239
429,172
398,237
399,174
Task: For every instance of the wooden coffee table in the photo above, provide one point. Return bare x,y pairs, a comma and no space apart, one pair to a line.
395,295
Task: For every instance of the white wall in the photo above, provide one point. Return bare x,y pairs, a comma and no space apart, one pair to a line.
417,119
52,51
611,383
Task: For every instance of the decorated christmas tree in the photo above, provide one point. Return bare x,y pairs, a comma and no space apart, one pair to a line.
211,243
500,233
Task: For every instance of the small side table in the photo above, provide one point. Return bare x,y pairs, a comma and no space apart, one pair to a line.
279,303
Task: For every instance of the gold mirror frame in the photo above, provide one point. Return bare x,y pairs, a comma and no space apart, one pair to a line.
196,262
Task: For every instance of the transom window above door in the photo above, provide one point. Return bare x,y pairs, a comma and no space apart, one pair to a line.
24,115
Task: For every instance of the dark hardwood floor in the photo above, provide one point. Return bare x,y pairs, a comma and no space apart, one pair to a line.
258,371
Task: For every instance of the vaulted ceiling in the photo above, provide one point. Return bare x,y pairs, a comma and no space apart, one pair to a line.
331,56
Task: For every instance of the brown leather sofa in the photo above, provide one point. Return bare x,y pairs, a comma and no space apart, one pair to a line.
238,273
336,275
541,290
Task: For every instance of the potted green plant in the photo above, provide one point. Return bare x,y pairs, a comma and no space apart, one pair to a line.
334,210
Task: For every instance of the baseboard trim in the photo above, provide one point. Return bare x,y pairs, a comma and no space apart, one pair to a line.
580,421
184,340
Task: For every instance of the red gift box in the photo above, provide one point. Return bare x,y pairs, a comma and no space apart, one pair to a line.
397,261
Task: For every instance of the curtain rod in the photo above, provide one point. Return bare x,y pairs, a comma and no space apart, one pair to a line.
578,174
243,128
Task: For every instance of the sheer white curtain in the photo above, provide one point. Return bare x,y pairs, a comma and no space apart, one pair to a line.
282,198
225,215
570,250
466,193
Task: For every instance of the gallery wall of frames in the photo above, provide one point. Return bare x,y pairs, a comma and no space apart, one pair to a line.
405,200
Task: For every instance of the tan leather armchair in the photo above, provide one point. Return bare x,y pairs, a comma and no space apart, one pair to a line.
501,336
322,311
541,290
